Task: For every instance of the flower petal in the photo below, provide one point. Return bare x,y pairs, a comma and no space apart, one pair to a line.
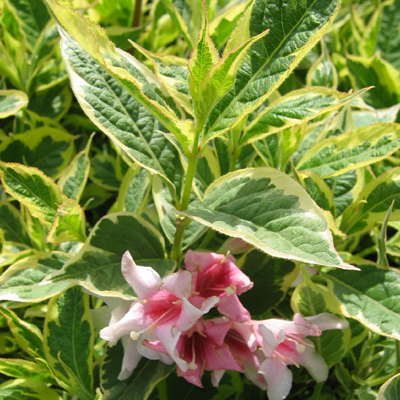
200,261
233,308
216,329
216,376
327,321
154,350
179,284
131,321
169,336
278,378
144,281
269,342
314,363
131,358
190,314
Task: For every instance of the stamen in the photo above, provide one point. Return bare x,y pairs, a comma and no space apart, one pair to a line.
134,335
226,256
230,290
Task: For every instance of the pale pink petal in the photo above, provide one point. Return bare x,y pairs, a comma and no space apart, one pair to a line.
200,261
169,336
247,333
233,308
326,321
179,284
144,281
278,378
190,314
131,358
314,363
154,351
216,376
133,320
269,341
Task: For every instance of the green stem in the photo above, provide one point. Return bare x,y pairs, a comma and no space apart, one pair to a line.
317,391
182,223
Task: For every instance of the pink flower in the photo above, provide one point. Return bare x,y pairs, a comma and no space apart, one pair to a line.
162,311
284,343
217,275
203,347
242,344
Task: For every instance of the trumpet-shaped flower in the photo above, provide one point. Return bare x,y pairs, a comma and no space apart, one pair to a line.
162,311
217,275
284,343
203,347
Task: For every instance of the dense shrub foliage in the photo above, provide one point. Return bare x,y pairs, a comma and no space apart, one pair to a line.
199,199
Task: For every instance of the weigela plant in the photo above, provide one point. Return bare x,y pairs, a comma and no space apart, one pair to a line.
200,199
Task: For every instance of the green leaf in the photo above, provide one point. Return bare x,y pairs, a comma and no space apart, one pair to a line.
28,336
33,189
27,390
32,16
21,282
52,102
103,172
69,224
222,26
134,190
166,213
73,179
296,107
371,296
47,149
211,87
93,196
378,72
373,202
269,210
24,369
311,299
203,57
142,382
11,101
12,225
388,42
173,73
296,29
323,71
111,107
365,118
272,278
179,21
351,150
68,341
391,389
382,238
135,77
97,266
346,188
318,189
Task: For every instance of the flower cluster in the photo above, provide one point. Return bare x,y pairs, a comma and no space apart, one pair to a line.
167,323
